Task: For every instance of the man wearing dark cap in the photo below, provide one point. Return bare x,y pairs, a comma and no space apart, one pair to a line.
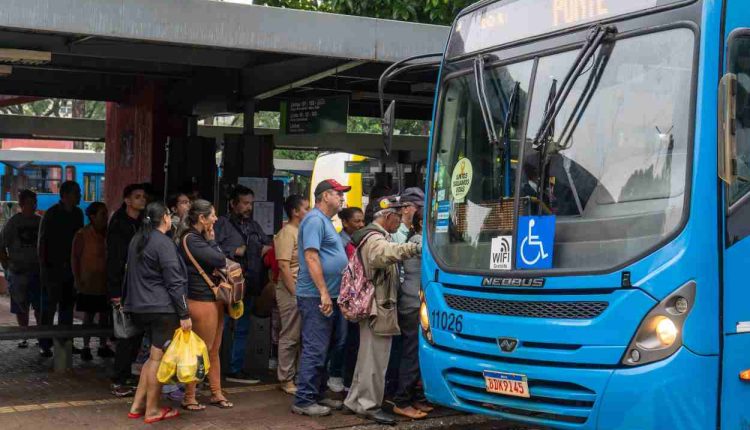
380,258
413,201
322,259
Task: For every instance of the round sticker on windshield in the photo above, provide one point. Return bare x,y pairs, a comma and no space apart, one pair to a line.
461,180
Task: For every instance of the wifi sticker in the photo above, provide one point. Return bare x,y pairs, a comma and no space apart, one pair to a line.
500,253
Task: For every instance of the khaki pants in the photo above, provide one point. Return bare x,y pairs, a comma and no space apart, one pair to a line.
368,385
289,336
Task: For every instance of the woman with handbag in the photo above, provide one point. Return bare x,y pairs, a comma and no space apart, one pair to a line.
203,257
154,298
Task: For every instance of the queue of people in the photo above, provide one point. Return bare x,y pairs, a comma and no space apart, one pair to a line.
157,261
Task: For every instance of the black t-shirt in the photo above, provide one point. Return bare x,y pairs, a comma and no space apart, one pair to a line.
56,233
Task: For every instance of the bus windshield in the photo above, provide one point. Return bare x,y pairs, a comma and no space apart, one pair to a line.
616,181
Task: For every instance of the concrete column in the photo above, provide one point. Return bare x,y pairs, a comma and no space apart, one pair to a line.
248,122
136,135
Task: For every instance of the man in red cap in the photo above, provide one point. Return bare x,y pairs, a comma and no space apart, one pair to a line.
322,259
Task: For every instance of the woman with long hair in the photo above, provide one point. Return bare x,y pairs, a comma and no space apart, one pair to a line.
155,295
202,257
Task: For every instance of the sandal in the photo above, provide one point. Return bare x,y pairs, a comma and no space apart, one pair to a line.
164,416
222,404
193,407
424,407
409,412
135,415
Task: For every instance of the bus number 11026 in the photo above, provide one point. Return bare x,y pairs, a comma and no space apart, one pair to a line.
447,321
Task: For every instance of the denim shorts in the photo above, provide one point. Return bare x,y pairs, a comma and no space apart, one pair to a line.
25,291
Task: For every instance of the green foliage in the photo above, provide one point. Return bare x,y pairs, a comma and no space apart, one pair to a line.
292,154
292,4
358,124
56,108
426,11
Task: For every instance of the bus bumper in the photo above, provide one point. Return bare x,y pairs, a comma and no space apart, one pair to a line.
678,392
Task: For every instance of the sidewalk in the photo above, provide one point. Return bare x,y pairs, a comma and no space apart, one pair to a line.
32,397
81,399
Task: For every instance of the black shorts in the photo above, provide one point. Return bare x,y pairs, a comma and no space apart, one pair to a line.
158,327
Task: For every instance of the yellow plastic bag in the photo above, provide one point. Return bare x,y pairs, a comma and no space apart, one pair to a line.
236,310
185,360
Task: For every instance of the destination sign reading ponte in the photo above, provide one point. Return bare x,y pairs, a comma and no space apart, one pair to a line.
508,21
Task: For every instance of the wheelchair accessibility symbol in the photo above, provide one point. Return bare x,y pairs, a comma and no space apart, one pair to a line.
536,237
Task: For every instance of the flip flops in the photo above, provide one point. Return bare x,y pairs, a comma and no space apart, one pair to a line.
134,415
222,404
163,417
409,412
193,407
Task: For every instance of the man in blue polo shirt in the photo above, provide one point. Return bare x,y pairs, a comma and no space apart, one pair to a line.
322,260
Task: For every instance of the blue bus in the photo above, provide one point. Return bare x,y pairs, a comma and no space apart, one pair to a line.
43,170
584,256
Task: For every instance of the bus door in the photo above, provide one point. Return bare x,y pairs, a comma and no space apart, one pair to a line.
734,127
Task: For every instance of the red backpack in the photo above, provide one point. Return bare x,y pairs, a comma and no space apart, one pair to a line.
357,291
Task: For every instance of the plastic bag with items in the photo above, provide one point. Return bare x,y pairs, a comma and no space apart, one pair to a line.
185,360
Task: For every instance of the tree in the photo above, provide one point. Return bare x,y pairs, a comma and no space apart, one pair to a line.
58,108
426,11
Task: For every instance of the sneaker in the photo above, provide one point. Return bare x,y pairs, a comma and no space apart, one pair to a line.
86,354
289,387
273,363
23,344
105,352
332,403
45,352
242,378
119,390
314,410
336,384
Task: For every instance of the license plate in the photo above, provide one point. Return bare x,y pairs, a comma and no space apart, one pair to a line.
510,384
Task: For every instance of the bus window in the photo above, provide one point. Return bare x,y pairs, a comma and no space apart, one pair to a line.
42,179
93,187
739,64
70,173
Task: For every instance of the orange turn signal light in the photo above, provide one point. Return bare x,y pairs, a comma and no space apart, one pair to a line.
745,375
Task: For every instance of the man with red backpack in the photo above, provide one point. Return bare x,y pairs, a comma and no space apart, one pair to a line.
379,259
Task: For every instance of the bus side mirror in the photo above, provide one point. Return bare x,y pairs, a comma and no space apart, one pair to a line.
727,128
388,123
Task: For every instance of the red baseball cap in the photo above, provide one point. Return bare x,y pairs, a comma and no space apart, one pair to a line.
330,184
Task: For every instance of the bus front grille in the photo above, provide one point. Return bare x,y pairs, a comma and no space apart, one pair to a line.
530,309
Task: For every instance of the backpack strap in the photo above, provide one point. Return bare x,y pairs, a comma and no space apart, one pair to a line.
196,265
358,251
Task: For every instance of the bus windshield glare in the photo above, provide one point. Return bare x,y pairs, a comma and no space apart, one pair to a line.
616,182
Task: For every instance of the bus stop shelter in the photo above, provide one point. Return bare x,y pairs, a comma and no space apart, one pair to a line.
162,64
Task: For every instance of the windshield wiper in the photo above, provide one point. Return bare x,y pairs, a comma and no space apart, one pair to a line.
510,119
484,104
488,118
556,99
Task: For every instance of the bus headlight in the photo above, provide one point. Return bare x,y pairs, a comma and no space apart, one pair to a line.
660,333
666,331
424,318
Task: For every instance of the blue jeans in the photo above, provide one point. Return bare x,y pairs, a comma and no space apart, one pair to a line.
337,350
239,341
317,332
